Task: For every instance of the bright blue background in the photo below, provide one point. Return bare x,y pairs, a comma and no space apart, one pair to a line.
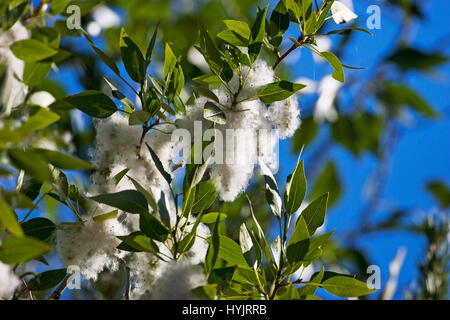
421,154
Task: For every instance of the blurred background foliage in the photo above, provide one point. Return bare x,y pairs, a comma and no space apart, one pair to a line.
377,107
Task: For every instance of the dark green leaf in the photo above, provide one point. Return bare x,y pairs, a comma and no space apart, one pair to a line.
295,189
39,228
152,228
130,201
94,103
132,57
48,279
278,91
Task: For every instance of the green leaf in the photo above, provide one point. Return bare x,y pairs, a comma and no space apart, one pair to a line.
94,103
31,188
211,217
106,216
257,35
231,252
232,38
120,96
15,250
31,50
64,161
295,8
410,59
342,286
338,73
130,201
250,249
107,60
310,290
169,62
440,191
314,213
295,189
148,195
214,247
279,23
58,6
39,228
358,132
9,220
35,72
32,163
210,52
132,57
213,113
38,121
324,14
278,91
159,165
188,241
238,33
152,228
207,93
239,27
136,242
60,183
48,279
328,180
347,30
394,95
305,135
205,195
222,276
12,13
118,177
209,79
272,194
298,244
16,200
139,117
151,45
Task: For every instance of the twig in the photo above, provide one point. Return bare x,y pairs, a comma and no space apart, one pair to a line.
56,295
294,46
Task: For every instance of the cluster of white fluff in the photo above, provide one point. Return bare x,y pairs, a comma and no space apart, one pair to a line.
13,89
155,279
91,247
8,281
257,128
175,281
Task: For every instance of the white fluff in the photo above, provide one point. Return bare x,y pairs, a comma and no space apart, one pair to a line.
91,247
41,98
8,281
175,281
252,124
13,90
328,90
341,13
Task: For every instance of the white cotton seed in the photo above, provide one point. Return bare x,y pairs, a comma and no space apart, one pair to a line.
8,281
90,247
253,129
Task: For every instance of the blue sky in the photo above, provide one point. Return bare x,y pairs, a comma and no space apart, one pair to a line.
422,153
